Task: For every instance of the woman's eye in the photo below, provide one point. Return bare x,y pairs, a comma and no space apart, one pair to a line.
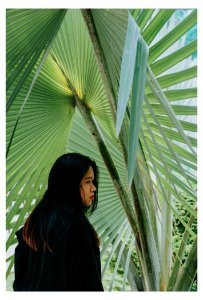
87,181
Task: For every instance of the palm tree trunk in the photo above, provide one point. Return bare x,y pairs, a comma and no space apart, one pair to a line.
147,266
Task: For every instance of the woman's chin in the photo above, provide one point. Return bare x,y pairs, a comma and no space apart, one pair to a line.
89,203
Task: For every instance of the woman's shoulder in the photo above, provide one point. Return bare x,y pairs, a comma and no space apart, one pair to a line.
19,235
83,230
80,223
72,217
71,221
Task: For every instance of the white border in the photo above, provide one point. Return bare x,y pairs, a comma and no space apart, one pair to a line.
2,152
101,4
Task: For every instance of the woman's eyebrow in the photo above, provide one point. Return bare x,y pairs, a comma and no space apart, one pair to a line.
90,177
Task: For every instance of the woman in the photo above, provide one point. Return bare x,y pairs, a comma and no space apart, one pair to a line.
58,249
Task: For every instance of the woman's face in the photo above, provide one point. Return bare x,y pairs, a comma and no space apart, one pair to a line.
87,188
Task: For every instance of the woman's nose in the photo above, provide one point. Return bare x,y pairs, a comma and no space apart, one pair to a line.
93,188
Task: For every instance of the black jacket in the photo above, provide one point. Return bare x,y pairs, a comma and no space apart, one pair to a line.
74,264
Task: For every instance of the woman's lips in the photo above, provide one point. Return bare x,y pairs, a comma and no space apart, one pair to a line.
92,197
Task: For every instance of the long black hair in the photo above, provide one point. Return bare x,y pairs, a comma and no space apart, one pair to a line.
62,194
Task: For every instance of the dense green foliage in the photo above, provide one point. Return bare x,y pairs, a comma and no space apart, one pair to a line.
178,231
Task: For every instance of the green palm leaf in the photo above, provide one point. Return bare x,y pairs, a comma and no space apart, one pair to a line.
26,42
